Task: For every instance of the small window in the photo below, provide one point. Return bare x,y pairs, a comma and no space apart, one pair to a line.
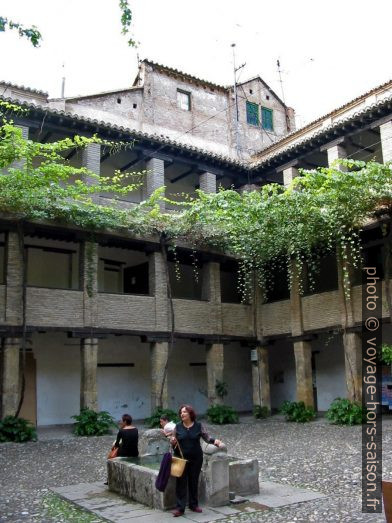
250,91
252,113
134,106
184,100
118,100
266,119
267,97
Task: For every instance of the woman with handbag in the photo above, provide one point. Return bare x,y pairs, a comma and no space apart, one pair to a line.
186,442
126,444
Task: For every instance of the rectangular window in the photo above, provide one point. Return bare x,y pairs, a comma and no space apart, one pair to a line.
266,119
52,268
252,113
184,100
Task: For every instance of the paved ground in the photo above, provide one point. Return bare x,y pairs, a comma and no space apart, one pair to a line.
317,456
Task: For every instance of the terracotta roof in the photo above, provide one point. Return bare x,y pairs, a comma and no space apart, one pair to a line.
313,123
176,72
94,95
383,104
23,88
159,138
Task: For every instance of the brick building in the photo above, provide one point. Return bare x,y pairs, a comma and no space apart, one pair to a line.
104,349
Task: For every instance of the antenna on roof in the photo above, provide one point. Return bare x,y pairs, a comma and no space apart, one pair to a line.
236,99
280,79
63,83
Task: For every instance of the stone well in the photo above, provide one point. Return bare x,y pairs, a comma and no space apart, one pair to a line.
221,474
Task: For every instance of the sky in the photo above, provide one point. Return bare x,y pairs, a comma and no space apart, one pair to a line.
329,51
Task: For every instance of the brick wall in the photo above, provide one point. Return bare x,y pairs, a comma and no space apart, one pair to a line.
276,318
54,307
117,311
237,319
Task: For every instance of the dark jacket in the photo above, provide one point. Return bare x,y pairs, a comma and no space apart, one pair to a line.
189,440
129,440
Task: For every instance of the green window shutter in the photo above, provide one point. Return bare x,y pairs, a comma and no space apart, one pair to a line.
266,119
252,113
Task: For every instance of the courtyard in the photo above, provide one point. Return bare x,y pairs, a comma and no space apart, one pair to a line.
316,456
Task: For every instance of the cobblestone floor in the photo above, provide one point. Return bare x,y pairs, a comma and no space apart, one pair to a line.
317,455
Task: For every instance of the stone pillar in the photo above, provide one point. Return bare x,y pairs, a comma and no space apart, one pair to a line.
211,289
352,343
158,288
14,280
260,379
88,374
289,174
89,282
10,394
303,371
295,302
215,365
91,159
334,153
155,177
159,353
207,182
386,141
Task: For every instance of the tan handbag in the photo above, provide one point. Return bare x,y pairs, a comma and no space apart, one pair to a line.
178,464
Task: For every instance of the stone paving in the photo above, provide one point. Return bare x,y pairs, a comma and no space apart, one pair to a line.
315,456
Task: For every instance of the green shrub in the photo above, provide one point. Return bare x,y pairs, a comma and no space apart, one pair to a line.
16,429
297,412
153,420
222,414
92,423
221,389
386,354
261,412
345,412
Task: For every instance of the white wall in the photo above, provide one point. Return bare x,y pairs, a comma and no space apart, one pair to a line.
188,384
238,376
58,378
124,389
330,372
281,359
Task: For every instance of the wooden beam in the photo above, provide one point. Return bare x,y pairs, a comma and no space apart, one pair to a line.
365,148
71,154
183,175
130,164
105,157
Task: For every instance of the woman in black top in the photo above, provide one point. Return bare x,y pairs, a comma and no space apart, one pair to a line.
127,438
188,433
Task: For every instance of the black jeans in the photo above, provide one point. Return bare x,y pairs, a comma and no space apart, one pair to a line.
189,479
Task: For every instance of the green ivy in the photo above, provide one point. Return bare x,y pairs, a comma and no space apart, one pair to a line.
92,423
386,353
153,420
16,429
222,414
297,411
261,411
342,411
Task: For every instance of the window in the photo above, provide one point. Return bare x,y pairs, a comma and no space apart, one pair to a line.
252,113
266,119
184,100
52,267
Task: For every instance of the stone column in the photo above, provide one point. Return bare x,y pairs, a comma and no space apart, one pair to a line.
11,377
207,182
335,152
155,177
88,374
91,159
260,379
303,371
158,289
14,280
89,282
215,365
352,343
295,302
159,354
289,174
386,141
211,288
